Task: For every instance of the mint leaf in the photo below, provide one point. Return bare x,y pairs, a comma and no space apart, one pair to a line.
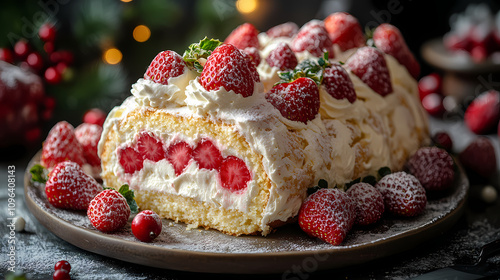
198,51
129,196
309,68
38,173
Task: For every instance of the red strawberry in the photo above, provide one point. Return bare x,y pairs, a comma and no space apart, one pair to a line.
88,135
68,187
179,155
369,203
207,155
403,194
61,145
313,37
388,39
338,83
344,30
252,58
244,36
479,157
282,57
429,84
234,174
443,140
166,65
227,67
254,55
483,113
297,100
108,211
287,29
130,159
150,147
369,65
328,214
433,167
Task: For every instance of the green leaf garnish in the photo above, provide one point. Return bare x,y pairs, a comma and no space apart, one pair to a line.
129,196
39,173
384,171
308,68
370,179
197,51
322,184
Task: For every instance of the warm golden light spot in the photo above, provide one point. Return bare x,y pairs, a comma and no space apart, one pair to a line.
246,6
141,33
112,56
126,1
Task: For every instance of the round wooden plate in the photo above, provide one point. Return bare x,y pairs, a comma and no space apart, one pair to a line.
199,250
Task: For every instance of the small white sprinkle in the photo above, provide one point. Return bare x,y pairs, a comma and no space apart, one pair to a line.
489,194
19,223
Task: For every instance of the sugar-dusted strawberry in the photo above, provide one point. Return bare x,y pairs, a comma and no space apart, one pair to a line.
297,100
313,37
429,84
338,84
179,154
88,135
370,66
287,29
388,39
433,167
282,57
344,30
227,67
403,194
252,57
479,157
244,36
150,147
328,214
61,145
166,65
234,174
108,211
369,203
483,114
443,140
207,155
68,187
94,116
130,159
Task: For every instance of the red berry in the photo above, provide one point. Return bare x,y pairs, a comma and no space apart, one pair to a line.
328,214
429,84
433,167
63,265
388,39
443,140
68,187
207,155
369,203
403,194
49,47
35,61
146,226
179,155
61,274
479,157
32,135
433,104
282,57
370,66
150,147
6,55
251,56
479,53
88,135
47,32
130,159
313,37
166,65
344,30
94,116
297,100
287,29
61,144
108,211
244,36
227,67
234,174
22,49
253,53
52,76
483,114
338,84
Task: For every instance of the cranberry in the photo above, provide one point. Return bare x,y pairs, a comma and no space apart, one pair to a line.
35,61
63,265
429,84
22,48
52,76
433,104
6,55
146,226
94,116
61,274
443,139
47,32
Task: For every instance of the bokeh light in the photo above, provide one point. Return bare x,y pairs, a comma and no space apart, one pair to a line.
141,33
112,56
247,6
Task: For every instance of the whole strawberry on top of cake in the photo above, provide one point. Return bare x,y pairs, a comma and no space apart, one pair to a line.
231,135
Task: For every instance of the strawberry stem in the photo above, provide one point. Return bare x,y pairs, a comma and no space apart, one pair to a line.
197,51
308,68
38,173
